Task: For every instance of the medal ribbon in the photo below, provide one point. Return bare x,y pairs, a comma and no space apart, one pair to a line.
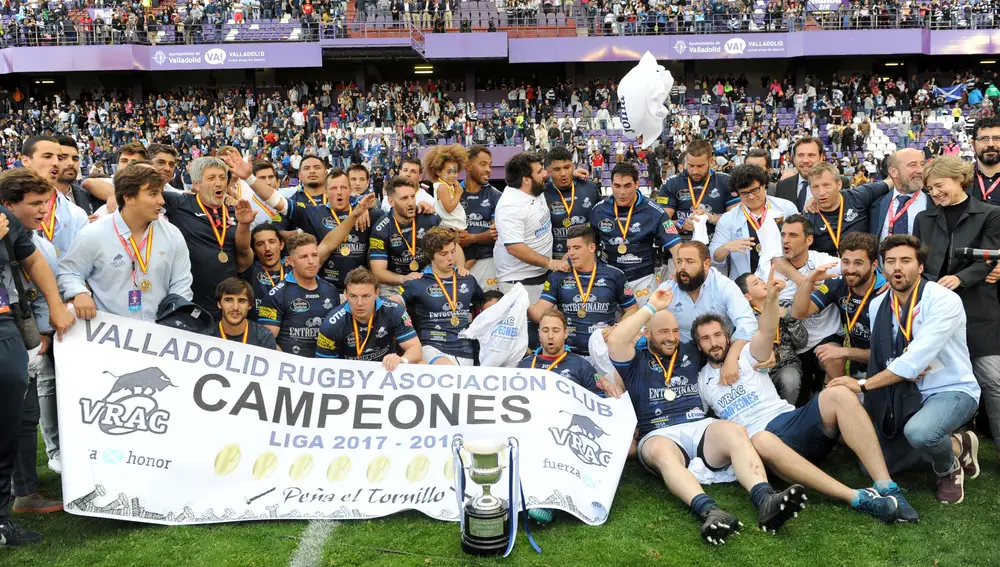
311,200
857,314
246,331
894,216
453,298
271,213
668,373
908,329
585,297
336,216
982,186
840,224
133,251
281,266
628,220
695,204
359,346
572,198
554,363
219,237
413,236
750,217
49,223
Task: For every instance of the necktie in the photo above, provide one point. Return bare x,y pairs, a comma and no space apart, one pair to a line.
803,193
901,226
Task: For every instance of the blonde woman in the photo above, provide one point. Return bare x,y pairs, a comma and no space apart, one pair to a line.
958,221
443,164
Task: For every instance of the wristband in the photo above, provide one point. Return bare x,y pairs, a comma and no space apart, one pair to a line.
651,309
251,180
274,200
405,361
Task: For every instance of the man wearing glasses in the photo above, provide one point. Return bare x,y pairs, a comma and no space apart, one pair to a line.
986,136
735,245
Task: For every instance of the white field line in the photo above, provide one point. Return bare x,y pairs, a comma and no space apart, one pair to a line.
309,553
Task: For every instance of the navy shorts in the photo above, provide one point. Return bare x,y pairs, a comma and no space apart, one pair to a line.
802,430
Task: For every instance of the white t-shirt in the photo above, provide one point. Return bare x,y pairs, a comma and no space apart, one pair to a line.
826,322
422,197
456,218
521,219
751,402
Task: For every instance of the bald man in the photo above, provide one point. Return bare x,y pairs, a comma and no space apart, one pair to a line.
676,440
895,213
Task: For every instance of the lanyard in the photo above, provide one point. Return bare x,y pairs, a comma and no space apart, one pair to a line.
982,186
412,249
246,331
281,266
453,298
894,216
628,220
908,329
667,372
359,346
572,198
840,224
554,363
133,250
220,237
49,224
695,204
750,217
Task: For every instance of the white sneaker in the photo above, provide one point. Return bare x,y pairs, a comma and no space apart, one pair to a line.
55,464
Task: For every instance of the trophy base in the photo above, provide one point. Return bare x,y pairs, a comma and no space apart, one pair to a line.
486,532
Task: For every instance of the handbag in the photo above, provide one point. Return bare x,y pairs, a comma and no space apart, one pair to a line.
24,319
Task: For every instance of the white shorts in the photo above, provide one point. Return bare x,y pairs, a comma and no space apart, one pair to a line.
431,354
534,291
642,288
485,272
688,436
387,291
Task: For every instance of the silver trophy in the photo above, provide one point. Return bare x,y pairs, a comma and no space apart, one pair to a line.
486,520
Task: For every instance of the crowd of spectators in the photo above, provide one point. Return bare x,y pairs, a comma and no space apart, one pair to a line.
388,122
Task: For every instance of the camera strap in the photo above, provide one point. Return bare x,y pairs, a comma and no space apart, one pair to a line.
15,272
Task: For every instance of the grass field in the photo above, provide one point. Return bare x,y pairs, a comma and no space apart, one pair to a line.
647,527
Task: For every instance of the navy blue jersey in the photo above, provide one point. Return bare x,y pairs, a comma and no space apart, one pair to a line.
433,313
857,203
390,326
480,208
574,367
679,193
262,282
257,335
649,226
610,293
836,292
298,312
582,197
388,243
299,199
184,212
319,221
646,384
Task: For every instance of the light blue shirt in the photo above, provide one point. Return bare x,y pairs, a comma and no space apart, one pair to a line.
939,343
39,306
99,259
719,295
70,220
732,225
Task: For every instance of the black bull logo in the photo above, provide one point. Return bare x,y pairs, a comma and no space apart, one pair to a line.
130,405
581,436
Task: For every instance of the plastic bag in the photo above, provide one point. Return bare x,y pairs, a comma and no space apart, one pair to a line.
502,330
641,94
599,356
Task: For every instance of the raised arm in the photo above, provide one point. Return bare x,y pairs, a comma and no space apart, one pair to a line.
762,343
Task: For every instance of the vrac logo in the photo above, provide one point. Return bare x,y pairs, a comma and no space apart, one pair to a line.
735,46
215,56
159,57
581,437
130,406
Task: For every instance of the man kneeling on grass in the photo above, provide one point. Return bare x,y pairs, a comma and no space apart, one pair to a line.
786,437
677,441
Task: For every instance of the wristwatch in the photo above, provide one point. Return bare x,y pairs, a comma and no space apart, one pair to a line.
861,384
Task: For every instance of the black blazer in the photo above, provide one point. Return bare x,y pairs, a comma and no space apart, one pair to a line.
979,227
880,210
788,189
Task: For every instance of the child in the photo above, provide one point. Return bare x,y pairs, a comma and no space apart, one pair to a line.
443,164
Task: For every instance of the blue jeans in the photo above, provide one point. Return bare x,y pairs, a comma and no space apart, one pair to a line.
928,433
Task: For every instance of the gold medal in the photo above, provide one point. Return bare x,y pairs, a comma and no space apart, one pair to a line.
757,248
454,320
567,223
581,313
31,294
622,248
669,395
145,285
345,250
223,257
414,266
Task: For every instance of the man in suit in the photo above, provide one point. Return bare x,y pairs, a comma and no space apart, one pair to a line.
806,153
896,213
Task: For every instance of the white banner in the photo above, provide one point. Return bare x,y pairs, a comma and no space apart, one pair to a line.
163,426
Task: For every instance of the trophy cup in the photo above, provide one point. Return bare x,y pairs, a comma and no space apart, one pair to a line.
485,519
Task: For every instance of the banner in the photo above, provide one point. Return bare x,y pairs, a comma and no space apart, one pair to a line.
953,93
163,426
